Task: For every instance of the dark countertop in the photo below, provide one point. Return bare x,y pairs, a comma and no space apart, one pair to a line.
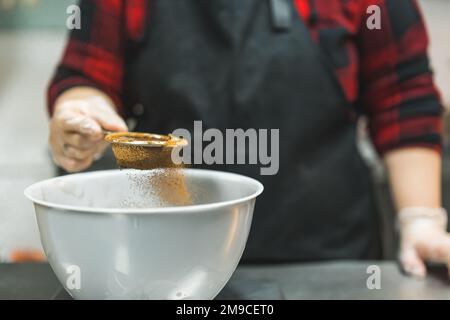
330,280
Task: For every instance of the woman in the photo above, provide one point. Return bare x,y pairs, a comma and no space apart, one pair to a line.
307,67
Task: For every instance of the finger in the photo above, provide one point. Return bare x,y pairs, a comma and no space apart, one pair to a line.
78,154
81,141
411,263
94,153
73,165
109,119
81,124
106,115
436,250
68,164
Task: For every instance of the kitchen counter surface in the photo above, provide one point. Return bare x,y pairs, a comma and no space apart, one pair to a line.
330,280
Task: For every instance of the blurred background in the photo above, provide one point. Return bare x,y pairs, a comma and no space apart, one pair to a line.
32,35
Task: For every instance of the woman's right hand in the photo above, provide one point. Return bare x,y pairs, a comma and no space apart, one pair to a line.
76,137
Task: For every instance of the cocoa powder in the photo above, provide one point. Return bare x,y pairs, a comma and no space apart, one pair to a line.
143,151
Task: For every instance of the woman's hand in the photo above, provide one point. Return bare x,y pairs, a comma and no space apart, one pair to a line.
415,177
76,137
423,236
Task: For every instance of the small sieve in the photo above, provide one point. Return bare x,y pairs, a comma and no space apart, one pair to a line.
144,151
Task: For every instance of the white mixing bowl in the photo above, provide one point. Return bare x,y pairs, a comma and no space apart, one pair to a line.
102,243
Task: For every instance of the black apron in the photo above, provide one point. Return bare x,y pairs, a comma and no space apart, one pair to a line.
223,62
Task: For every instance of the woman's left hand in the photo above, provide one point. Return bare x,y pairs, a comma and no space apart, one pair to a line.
423,237
415,177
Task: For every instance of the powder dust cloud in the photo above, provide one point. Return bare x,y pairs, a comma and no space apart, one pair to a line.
161,183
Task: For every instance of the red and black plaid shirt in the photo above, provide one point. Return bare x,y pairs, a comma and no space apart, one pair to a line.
385,73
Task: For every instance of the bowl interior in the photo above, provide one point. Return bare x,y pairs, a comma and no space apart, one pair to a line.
142,189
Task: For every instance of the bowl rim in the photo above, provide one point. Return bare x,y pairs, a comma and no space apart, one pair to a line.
166,210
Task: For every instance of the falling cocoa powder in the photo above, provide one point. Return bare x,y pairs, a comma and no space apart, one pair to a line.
157,188
164,180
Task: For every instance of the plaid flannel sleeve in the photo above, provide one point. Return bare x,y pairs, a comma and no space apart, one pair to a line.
94,54
398,93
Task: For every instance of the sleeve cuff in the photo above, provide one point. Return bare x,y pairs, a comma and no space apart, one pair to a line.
56,88
424,132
